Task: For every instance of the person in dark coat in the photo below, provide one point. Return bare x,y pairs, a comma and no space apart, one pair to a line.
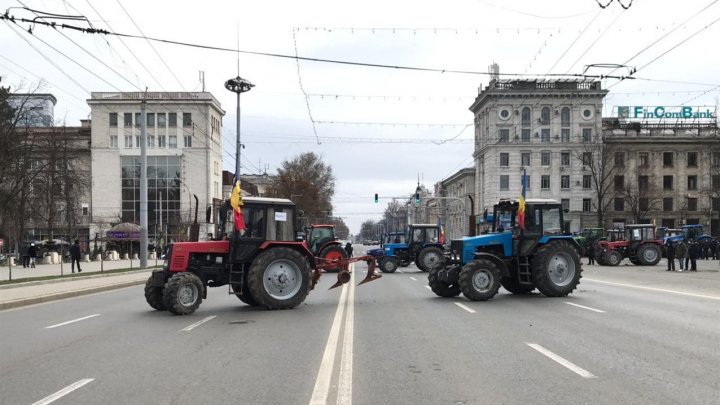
75,256
32,254
670,253
591,253
681,253
693,254
348,249
25,256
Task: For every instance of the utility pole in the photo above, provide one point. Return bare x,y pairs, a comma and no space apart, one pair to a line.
143,187
238,85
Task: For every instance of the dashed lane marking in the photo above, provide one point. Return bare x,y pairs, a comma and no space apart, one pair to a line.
465,307
413,279
73,321
70,388
584,307
565,363
196,324
710,297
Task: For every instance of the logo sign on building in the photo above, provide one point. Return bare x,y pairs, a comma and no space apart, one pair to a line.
674,113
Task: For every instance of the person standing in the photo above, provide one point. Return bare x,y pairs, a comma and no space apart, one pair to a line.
25,256
348,249
75,256
591,253
681,252
670,253
693,254
32,254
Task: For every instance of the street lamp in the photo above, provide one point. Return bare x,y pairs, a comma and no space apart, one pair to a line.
238,85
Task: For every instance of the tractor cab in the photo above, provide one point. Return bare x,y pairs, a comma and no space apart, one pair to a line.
322,242
420,245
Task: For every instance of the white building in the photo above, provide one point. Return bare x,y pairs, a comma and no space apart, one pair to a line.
184,158
36,109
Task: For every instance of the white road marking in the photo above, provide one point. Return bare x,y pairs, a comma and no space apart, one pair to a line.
196,324
465,307
570,366
413,279
711,297
428,287
584,307
322,381
400,271
73,321
344,394
70,388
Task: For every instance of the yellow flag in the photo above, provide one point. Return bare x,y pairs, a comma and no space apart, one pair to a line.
236,198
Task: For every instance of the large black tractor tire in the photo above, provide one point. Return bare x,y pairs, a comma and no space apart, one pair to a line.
612,258
649,254
480,280
333,252
154,295
556,269
388,264
183,293
430,258
514,287
440,287
635,261
245,295
279,278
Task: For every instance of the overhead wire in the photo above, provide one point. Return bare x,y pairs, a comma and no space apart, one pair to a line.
302,88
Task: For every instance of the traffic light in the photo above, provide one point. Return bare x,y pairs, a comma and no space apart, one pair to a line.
417,198
376,198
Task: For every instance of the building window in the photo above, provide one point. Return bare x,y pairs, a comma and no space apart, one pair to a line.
172,141
85,209
619,204
113,141
692,158
586,158
643,183
692,183
188,141
150,119
587,205
565,204
644,159
526,117
504,182
545,182
716,158
619,159
619,183
151,141
161,120
565,117
128,141
587,181
715,182
565,158
137,141
565,135
504,135
692,204
565,182
137,119
667,159
545,116
187,120
113,120
644,204
504,159
545,158
667,204
545,135
715,203
667,182
525,159
161,141
164,186
527,182
587,134
172,119
127,119
525,134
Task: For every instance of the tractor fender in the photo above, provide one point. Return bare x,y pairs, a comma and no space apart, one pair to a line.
301,247
504,270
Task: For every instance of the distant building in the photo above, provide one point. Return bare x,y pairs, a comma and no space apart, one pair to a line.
36,110
455,208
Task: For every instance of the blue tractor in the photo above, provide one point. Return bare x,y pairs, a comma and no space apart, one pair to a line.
390,237
540,256
422,245
692,232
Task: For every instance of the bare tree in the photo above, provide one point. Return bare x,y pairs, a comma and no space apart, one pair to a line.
641,201
596,157
395,216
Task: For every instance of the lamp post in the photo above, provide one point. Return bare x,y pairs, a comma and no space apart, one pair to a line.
238,85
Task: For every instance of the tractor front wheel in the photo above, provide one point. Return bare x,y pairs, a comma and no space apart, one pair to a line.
388,264
613,257
480,280
154,295
429,258
440,287
279,278
556,269
333,252
183,293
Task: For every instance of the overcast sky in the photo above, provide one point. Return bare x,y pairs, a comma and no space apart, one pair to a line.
354,107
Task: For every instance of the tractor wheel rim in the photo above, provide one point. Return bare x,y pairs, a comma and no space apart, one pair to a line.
650,255
561,269
431,259
187,294
481,280
282,279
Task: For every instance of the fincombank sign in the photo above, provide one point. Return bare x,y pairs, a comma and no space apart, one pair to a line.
657,113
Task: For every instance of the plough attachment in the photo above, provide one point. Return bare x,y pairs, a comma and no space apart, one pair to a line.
344,275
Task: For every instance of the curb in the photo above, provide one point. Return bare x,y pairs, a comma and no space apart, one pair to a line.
61,279
66,294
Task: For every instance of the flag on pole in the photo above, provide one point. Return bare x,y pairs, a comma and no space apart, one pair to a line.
441,237
236,202
521,204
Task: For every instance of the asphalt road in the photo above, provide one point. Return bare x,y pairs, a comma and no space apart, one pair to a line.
628,335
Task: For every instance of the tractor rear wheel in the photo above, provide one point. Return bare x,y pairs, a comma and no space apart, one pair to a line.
613,257
154,295
556,269
244,293
440,287
183,293
333,252
279,278
480,280
388,264
514,287
429,258
649,254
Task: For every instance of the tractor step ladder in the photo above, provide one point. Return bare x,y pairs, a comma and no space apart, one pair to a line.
524,270
235,277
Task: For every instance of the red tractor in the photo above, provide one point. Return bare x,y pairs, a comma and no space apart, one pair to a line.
640,246
266,264
321,241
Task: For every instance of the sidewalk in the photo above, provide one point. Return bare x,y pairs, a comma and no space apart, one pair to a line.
91,281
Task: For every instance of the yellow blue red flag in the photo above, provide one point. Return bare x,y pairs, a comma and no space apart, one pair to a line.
521,204
236,202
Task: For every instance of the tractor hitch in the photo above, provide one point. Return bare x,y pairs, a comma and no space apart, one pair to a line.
344,275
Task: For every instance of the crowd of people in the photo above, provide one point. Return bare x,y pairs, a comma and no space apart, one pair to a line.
688,252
